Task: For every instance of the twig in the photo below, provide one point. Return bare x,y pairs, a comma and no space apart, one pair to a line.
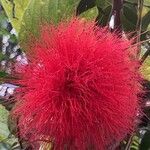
129,142
139,26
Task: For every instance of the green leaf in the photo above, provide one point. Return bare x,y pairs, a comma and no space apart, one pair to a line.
89,14
130,12
3,19
145,69
129,23
6,138
2,56
85,5
4,32
15,10
3,74
146,21
135,143
40,11
103,16
103,3
146,2
4,146
4,131
145,143
104,10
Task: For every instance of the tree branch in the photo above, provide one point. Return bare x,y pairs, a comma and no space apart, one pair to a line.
115,17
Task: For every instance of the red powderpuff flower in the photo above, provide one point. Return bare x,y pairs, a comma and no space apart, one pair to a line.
79,90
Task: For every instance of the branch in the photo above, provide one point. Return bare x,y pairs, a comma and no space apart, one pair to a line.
115,17
139,26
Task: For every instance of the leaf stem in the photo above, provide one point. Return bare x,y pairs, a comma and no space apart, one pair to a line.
139,26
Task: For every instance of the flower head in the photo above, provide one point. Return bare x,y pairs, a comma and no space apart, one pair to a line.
79,90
